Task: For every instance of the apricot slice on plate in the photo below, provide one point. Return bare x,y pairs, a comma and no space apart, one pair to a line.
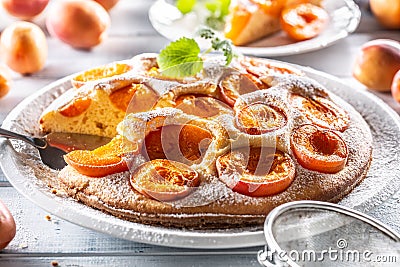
201,105
256,171
164,180
319,150
184,143
259,118
321,111
303,21
233,85
75,107
102,161
101,72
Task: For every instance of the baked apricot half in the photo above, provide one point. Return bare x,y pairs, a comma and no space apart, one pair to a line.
183,143
101,72
319,149
121,98
201,105
233,85
75,107
164,180
321,111
256,171
102,161
261,67
259,118
303,21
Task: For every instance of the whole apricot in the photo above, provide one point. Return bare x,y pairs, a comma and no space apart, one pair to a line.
396,86
24,9
107,4
387,12
23,47
79,23
7,226
377,63
5,80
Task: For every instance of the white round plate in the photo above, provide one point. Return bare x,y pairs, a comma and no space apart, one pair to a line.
23,168
344,19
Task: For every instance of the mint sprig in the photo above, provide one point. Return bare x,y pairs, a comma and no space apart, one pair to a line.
217,44
182,58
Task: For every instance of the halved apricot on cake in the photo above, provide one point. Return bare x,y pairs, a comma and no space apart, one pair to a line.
235,84
184,143
259,118
203,106
319,150
263,67
105,71
164,180
102,161
75,107
321,111
256,171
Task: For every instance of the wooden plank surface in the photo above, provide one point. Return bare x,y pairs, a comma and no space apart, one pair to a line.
40,241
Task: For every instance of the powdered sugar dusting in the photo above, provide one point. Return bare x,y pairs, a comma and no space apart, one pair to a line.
380,181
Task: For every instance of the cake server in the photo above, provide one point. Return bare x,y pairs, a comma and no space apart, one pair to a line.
54,146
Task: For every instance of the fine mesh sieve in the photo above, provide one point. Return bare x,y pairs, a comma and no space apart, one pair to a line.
312,233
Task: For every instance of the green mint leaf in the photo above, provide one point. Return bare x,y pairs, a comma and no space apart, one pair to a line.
180,59
185,6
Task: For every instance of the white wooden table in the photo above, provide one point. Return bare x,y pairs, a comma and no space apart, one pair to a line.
39,241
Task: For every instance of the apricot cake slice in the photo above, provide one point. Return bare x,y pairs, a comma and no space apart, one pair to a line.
251,20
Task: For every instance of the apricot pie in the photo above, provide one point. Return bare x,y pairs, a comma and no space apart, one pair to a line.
220,149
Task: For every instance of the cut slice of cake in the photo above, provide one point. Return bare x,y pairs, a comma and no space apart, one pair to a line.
251,20
96,109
